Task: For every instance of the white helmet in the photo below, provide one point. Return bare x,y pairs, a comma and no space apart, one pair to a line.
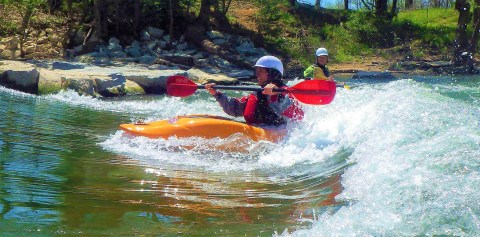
270,62
321,52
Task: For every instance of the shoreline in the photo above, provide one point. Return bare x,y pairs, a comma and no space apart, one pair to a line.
48,77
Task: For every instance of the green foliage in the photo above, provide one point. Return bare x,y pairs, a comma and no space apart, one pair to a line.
433,17
434,28
268,18
154,11
8,27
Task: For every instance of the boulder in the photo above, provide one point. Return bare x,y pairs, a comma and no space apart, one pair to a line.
49,82
215,35
155,32
153,82
203,77
111,87
83,86
246,47
19,76
132,88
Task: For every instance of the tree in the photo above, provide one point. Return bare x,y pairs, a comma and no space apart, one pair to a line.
461,53
474,41
317,4
381,7
28,8
394,8
408,4
345,4
54,5
100,28
205,13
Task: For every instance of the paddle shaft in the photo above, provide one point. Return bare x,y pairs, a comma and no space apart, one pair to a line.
314,92
258,89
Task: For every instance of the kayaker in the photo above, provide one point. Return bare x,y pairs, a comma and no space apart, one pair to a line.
319,70
266,107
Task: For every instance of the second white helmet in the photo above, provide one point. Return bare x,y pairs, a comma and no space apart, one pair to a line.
270,62
321,52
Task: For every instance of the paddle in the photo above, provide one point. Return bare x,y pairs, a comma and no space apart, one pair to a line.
314,92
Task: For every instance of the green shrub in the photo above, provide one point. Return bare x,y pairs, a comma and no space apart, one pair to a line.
8,28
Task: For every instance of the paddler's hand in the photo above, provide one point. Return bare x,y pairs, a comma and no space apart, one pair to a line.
210,89
268,89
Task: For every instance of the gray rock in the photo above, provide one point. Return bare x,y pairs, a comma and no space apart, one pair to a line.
246,48
118,54
182,46
152,44
203,77
167,38
111,87
219,41
144,36
198,56
215,35
67,65
162,44
152,81
114,45
133,51
241,74
155,32
219,62
158,67
81,85
146,59
24,79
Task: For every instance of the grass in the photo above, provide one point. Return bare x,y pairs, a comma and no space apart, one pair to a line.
431,18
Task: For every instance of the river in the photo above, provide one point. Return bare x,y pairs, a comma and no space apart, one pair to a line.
393,158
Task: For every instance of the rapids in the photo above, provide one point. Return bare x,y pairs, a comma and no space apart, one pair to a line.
390,158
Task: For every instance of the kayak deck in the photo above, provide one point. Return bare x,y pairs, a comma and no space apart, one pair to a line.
204,126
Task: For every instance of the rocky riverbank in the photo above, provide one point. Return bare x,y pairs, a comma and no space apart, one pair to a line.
143,66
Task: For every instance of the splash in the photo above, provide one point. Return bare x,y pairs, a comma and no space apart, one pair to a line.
414,163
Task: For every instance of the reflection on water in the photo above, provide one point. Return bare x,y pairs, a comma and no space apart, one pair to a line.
58,176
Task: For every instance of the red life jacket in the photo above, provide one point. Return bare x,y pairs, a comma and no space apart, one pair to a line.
258,111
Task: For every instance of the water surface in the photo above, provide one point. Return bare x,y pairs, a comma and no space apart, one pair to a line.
384,158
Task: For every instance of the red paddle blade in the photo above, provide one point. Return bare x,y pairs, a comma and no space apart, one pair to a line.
180,86
314,92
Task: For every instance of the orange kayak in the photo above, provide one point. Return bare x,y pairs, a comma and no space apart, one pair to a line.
204,126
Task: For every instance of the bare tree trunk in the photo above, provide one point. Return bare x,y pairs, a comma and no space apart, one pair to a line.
474,40
394,8
345,4
381,7
408,4
460,53
205,13
172,19
54,5
137,15
70,24
317,4
98,21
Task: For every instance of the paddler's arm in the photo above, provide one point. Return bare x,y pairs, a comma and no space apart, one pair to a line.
231,106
